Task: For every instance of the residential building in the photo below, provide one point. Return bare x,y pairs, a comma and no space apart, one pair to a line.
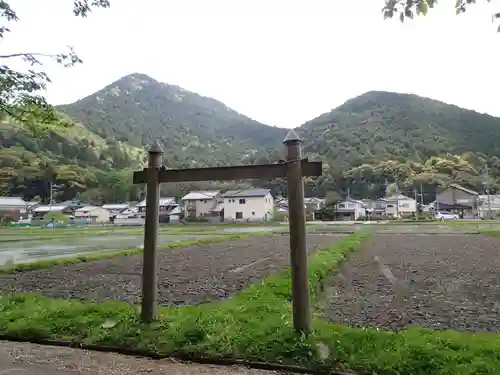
349,209
14,207
488,206
458,199
199,204
375,207
93,214
248,205
166,204
313,204
73,204
115,208
400,205
41,211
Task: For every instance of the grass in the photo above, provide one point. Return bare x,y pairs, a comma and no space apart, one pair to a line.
257,325
490,232
42,264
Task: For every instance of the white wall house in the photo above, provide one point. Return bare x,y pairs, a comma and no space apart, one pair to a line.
248,205
400,206
202,203
350,209
10,205
93,214
488,206
165,205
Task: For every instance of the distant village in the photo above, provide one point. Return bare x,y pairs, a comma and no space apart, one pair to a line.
252,205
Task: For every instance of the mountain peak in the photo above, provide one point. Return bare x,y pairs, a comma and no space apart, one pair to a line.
139,109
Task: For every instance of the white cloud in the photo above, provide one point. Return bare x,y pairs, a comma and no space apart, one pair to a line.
281,62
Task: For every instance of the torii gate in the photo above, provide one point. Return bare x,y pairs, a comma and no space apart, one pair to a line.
294,168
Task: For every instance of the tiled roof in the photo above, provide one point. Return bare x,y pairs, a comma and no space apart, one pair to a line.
115,206
200,195
246,193
87,208
459,187
398,196
12,201
49,208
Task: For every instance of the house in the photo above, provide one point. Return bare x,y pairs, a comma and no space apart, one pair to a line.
313,204
488,206
400,205
165,205
93,214
349,209
203,203
456,198
32,205
14,207
375,208
126,213
248,205
41,211
115,209
73,204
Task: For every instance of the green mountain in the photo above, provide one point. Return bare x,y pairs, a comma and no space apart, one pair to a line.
195,130
379,125
370,139
384,136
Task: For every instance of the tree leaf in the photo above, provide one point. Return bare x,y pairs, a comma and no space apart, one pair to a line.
422,8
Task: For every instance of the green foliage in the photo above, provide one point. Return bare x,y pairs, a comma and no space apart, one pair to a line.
56,217
375,138
381,136
408,8
19,98
257,325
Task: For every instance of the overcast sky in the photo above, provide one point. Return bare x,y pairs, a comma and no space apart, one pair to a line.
281,62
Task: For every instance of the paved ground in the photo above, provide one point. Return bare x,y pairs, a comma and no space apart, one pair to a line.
30,359
191,275
439,281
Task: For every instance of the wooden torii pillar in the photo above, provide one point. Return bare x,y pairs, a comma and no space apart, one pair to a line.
294,168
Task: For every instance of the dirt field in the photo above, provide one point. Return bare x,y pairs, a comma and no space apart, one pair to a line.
438,281
186,275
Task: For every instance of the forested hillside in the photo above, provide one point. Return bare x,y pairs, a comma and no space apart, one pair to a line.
194,130
383,135
371,140
74,158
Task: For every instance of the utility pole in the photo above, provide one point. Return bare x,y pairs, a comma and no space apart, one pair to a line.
487,183
50,199
421,196
52,187
397,197
416,202
348,193
437,200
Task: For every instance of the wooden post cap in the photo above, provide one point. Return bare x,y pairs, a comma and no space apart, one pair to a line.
155,148
292,137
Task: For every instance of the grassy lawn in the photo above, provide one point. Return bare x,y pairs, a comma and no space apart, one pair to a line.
257,325
11,267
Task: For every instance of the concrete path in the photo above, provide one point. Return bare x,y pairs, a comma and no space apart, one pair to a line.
30,359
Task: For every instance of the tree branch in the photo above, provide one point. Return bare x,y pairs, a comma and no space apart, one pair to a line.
10,113
25,54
